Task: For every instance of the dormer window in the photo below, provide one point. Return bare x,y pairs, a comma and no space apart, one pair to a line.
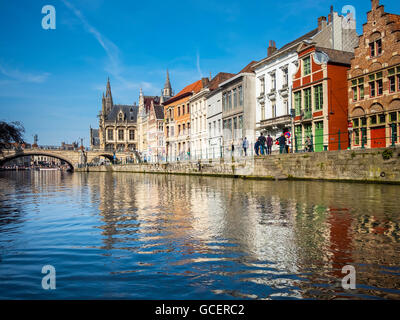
121,117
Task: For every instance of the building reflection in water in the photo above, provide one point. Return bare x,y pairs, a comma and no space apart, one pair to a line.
292,238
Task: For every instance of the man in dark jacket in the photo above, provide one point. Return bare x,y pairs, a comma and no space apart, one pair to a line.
262,141
282,143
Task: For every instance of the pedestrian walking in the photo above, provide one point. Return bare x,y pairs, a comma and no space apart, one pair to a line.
245,146
262,141
269,144
232,148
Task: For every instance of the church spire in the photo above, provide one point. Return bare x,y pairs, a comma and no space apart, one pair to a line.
167,92
108,97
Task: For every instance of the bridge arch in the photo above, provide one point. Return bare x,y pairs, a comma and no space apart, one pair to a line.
16,155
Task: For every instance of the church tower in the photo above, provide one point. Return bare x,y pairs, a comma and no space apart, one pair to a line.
167,92
108,98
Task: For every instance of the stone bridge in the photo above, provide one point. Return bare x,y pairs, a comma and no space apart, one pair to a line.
74,158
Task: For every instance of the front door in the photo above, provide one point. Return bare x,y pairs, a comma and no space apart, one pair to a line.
378,137
319,136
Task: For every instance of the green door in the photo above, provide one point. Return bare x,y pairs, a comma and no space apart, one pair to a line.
319,136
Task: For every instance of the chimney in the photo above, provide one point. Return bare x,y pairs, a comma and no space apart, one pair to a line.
374,4
330,15
321,23
271,48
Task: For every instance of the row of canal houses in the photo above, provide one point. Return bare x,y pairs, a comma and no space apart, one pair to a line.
331,85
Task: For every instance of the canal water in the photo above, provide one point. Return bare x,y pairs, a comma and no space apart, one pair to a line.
138,236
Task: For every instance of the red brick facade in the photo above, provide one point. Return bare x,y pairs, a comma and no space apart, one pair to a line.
320,98
374,81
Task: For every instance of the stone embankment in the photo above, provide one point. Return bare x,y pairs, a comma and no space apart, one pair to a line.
372,165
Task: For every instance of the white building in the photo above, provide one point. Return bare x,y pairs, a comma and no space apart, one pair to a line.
274,73
198,119
238,111
214,115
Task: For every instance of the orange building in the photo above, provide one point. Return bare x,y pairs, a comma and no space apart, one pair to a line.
320,98
177,121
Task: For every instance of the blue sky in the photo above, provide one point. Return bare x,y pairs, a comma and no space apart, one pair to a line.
52,80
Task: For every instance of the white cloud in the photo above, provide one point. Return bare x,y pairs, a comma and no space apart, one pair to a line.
18,75
114,66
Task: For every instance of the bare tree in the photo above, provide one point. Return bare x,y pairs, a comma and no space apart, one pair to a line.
10,133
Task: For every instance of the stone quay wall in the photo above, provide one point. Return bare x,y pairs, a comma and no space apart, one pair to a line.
361,165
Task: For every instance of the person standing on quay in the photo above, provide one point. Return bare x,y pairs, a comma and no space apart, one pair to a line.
262,141
257,147
245,146
282,143
269,144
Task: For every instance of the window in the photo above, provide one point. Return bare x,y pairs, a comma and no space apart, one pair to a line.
183,128
393,116
131,134
274,111
356,133
224,101
235,128
356,123
375,48
262,85
394,79
375,84
307,99
297,102
357,87
373,119
234,98
183,109
273,81
262,111
318,97
306,66
110,134
382,118
219,126
209,128
230,100
188,109
240,95
120,134
285,78
179,111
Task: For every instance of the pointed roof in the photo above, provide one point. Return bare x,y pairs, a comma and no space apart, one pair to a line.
167,84
108,90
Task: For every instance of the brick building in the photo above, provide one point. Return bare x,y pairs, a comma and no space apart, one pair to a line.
319,97
374,81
